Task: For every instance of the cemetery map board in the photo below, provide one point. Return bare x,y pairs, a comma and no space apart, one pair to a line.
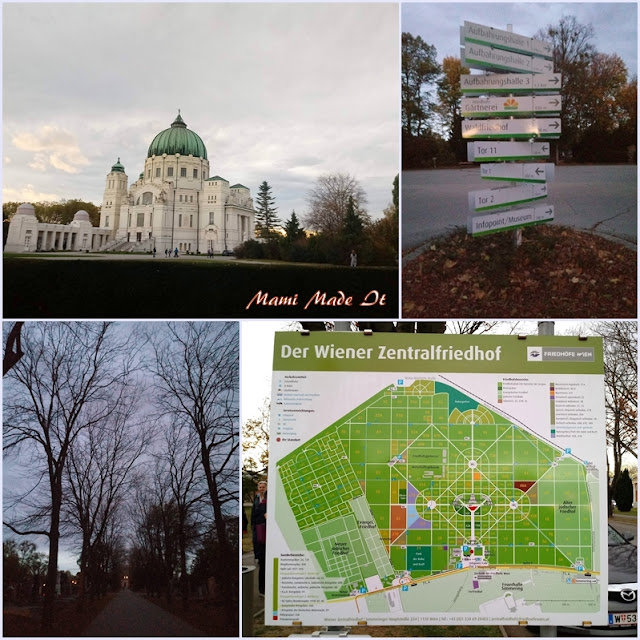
436,480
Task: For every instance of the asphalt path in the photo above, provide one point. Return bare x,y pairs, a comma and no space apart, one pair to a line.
129,614
600,198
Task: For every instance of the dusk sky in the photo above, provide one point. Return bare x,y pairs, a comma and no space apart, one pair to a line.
615,24
277,92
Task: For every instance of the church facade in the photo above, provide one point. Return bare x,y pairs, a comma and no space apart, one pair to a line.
174,204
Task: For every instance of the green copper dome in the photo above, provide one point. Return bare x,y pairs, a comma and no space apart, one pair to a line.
118,167
177,139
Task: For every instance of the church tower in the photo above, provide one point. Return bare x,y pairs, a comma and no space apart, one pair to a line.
115,195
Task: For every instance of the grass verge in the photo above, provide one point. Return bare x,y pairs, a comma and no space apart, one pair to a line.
25,621
208,616
80,288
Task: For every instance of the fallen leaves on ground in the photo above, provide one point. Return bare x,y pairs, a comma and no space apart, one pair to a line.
557,272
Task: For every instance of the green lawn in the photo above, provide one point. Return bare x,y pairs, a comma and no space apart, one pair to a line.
148,288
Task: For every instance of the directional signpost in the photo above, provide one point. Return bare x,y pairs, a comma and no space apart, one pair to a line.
539,172
510,106
524,128
479,57
503,197
508,220
502,83
508,116
502,151
479,34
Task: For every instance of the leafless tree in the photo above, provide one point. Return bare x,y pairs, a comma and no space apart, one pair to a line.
13,349
183,471
329,200
196,366
70,379
155,516
621,387
98,477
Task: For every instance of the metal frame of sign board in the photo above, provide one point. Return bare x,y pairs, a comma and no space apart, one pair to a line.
506,83
489,107
540,172
508,220
507,40
504,197
498,151
481,57
503,129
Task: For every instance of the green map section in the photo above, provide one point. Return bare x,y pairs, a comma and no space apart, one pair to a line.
423,479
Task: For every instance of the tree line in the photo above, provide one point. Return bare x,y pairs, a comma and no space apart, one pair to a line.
127,437
599,101
56,212
337,223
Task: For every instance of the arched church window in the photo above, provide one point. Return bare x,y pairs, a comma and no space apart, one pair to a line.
147,197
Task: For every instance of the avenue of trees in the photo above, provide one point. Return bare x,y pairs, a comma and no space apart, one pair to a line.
599,101
122,442
336,223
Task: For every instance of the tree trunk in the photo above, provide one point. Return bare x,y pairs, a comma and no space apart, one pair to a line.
184,579
48,607
227,564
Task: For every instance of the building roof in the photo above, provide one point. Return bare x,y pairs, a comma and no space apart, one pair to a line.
216,178
239,186
118,167
178,139
25,209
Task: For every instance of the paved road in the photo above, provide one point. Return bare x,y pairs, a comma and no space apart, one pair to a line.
598,198
129,614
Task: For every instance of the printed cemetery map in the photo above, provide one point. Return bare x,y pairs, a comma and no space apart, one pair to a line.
426,499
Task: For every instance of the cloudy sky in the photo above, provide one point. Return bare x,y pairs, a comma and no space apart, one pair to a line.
615,24
278,92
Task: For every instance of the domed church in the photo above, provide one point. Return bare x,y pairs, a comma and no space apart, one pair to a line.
175,203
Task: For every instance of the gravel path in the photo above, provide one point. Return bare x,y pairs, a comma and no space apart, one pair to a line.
129,614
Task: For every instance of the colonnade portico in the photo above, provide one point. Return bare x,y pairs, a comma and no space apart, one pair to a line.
27,235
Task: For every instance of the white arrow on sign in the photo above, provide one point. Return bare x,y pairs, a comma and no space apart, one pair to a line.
510,83
489,199
523,128
541,172
505,151
517,106
479,34
506,220
480,57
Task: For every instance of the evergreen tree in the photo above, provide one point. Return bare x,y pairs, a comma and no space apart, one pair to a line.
292,228
624,492
353,226
266,218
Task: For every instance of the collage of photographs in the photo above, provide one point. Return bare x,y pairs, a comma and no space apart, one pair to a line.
319,319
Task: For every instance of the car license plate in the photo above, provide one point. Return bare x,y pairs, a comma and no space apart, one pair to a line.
621,619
